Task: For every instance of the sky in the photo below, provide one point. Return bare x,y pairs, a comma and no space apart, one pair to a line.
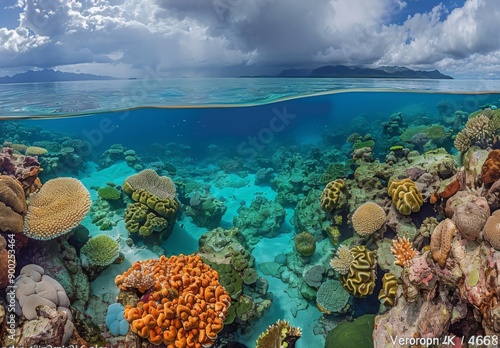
128,38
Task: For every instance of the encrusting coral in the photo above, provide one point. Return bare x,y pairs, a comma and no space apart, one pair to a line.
279,335
406,197
59,206
186,307
441,241
12,205
368,218
403,251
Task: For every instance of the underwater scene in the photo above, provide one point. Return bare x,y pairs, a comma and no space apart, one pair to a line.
237,213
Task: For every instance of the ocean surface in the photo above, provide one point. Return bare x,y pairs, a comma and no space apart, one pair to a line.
233,141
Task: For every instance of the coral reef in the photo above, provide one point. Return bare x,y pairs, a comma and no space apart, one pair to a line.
23,168
58,207
342,262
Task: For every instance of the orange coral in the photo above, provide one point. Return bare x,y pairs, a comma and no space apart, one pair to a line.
403,251
186,307
490,172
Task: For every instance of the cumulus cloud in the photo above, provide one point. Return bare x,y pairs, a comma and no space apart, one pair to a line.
197,35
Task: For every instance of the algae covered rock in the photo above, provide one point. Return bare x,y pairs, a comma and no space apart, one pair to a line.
352,334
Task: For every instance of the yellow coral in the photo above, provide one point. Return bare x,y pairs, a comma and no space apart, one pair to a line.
389,289
59,206
406,197
360,279
403,251
333,195
368,218
35,151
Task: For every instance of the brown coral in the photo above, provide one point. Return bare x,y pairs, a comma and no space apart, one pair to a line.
186,307
368,218
403,251
148,180
333,195
59,206
491,230
12,205
469,218
406,197
490,171
441,241
280,334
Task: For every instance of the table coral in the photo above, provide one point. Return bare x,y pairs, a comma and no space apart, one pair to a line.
360,279
59,206
406,197
368,218
12,205
186,307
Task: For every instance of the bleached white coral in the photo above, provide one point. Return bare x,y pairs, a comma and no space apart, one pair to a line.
342,262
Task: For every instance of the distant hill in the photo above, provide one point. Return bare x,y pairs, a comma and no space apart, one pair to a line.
342,71
50,75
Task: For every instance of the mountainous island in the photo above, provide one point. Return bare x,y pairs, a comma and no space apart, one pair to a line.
50,75
342,71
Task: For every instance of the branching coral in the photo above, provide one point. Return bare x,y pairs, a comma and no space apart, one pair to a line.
279,335
403,251
342,262
478,131
185,308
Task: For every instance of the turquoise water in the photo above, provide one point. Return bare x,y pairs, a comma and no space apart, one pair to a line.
217,134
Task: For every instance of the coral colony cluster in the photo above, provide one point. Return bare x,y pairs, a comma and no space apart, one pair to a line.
396,245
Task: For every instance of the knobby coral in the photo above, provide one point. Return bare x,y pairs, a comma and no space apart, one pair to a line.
490,171
368,218
441,241
403,251
406,197
12,205
59,206
186,307
279,335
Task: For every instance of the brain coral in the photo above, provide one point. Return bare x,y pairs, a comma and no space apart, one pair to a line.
491,230
360,280
441,240
368,218
101,250
333,195
12,205
469,218
387,294
160,186
490,171
406,197
305,244
332,297
59,206
279,335
186,307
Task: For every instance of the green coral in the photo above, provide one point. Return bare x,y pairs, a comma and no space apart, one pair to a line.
305,244
332,297
250,276
435,132
109,193
101,250
138,218
352,334
361,144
